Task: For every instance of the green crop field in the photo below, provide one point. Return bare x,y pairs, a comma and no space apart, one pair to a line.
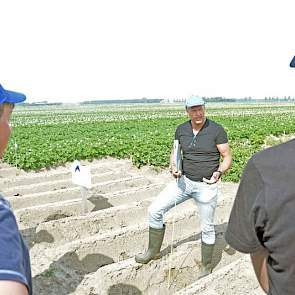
49,136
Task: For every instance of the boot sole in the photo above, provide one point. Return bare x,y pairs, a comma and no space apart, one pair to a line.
146,262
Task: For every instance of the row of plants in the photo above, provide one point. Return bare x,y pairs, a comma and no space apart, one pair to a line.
147,140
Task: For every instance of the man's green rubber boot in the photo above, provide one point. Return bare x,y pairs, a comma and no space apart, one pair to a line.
207,254
155,242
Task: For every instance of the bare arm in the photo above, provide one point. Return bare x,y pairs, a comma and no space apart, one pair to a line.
12,288
259,261
225,152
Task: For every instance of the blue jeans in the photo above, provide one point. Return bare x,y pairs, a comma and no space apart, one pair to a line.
205,196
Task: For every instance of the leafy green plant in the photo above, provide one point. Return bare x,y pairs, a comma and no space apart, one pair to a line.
47,138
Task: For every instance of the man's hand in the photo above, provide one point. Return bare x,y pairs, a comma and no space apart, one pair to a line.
214,178
176,173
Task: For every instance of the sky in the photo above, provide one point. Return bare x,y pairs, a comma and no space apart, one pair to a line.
70,50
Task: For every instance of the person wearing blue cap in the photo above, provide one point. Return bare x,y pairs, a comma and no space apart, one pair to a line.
202,143
15,268
261,220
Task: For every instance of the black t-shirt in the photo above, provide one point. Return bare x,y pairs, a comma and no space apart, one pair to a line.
264,211
200,154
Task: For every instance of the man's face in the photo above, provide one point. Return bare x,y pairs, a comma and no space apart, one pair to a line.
197,114
5,112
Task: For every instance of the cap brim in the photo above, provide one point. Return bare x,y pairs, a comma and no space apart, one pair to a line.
292,63
195,105
14,97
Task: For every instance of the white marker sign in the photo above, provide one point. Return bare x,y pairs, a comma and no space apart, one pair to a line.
81,175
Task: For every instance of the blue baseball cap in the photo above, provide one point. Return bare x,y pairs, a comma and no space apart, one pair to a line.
10,96
194,101
292,63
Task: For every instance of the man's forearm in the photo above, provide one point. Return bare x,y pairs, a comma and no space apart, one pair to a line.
259,262
226,164
12,287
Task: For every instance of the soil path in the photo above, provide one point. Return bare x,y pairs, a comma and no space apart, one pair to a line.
93,253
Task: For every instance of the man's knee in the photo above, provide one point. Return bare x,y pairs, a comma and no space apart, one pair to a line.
154,213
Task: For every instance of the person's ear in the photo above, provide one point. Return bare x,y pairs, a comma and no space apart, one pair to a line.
6,111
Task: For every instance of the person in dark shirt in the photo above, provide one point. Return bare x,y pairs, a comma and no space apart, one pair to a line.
202,143
261,219
15,269
260,222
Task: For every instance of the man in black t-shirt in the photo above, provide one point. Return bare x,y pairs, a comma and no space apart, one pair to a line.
261,221
202,142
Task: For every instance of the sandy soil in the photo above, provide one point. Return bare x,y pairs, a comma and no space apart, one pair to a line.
93,253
